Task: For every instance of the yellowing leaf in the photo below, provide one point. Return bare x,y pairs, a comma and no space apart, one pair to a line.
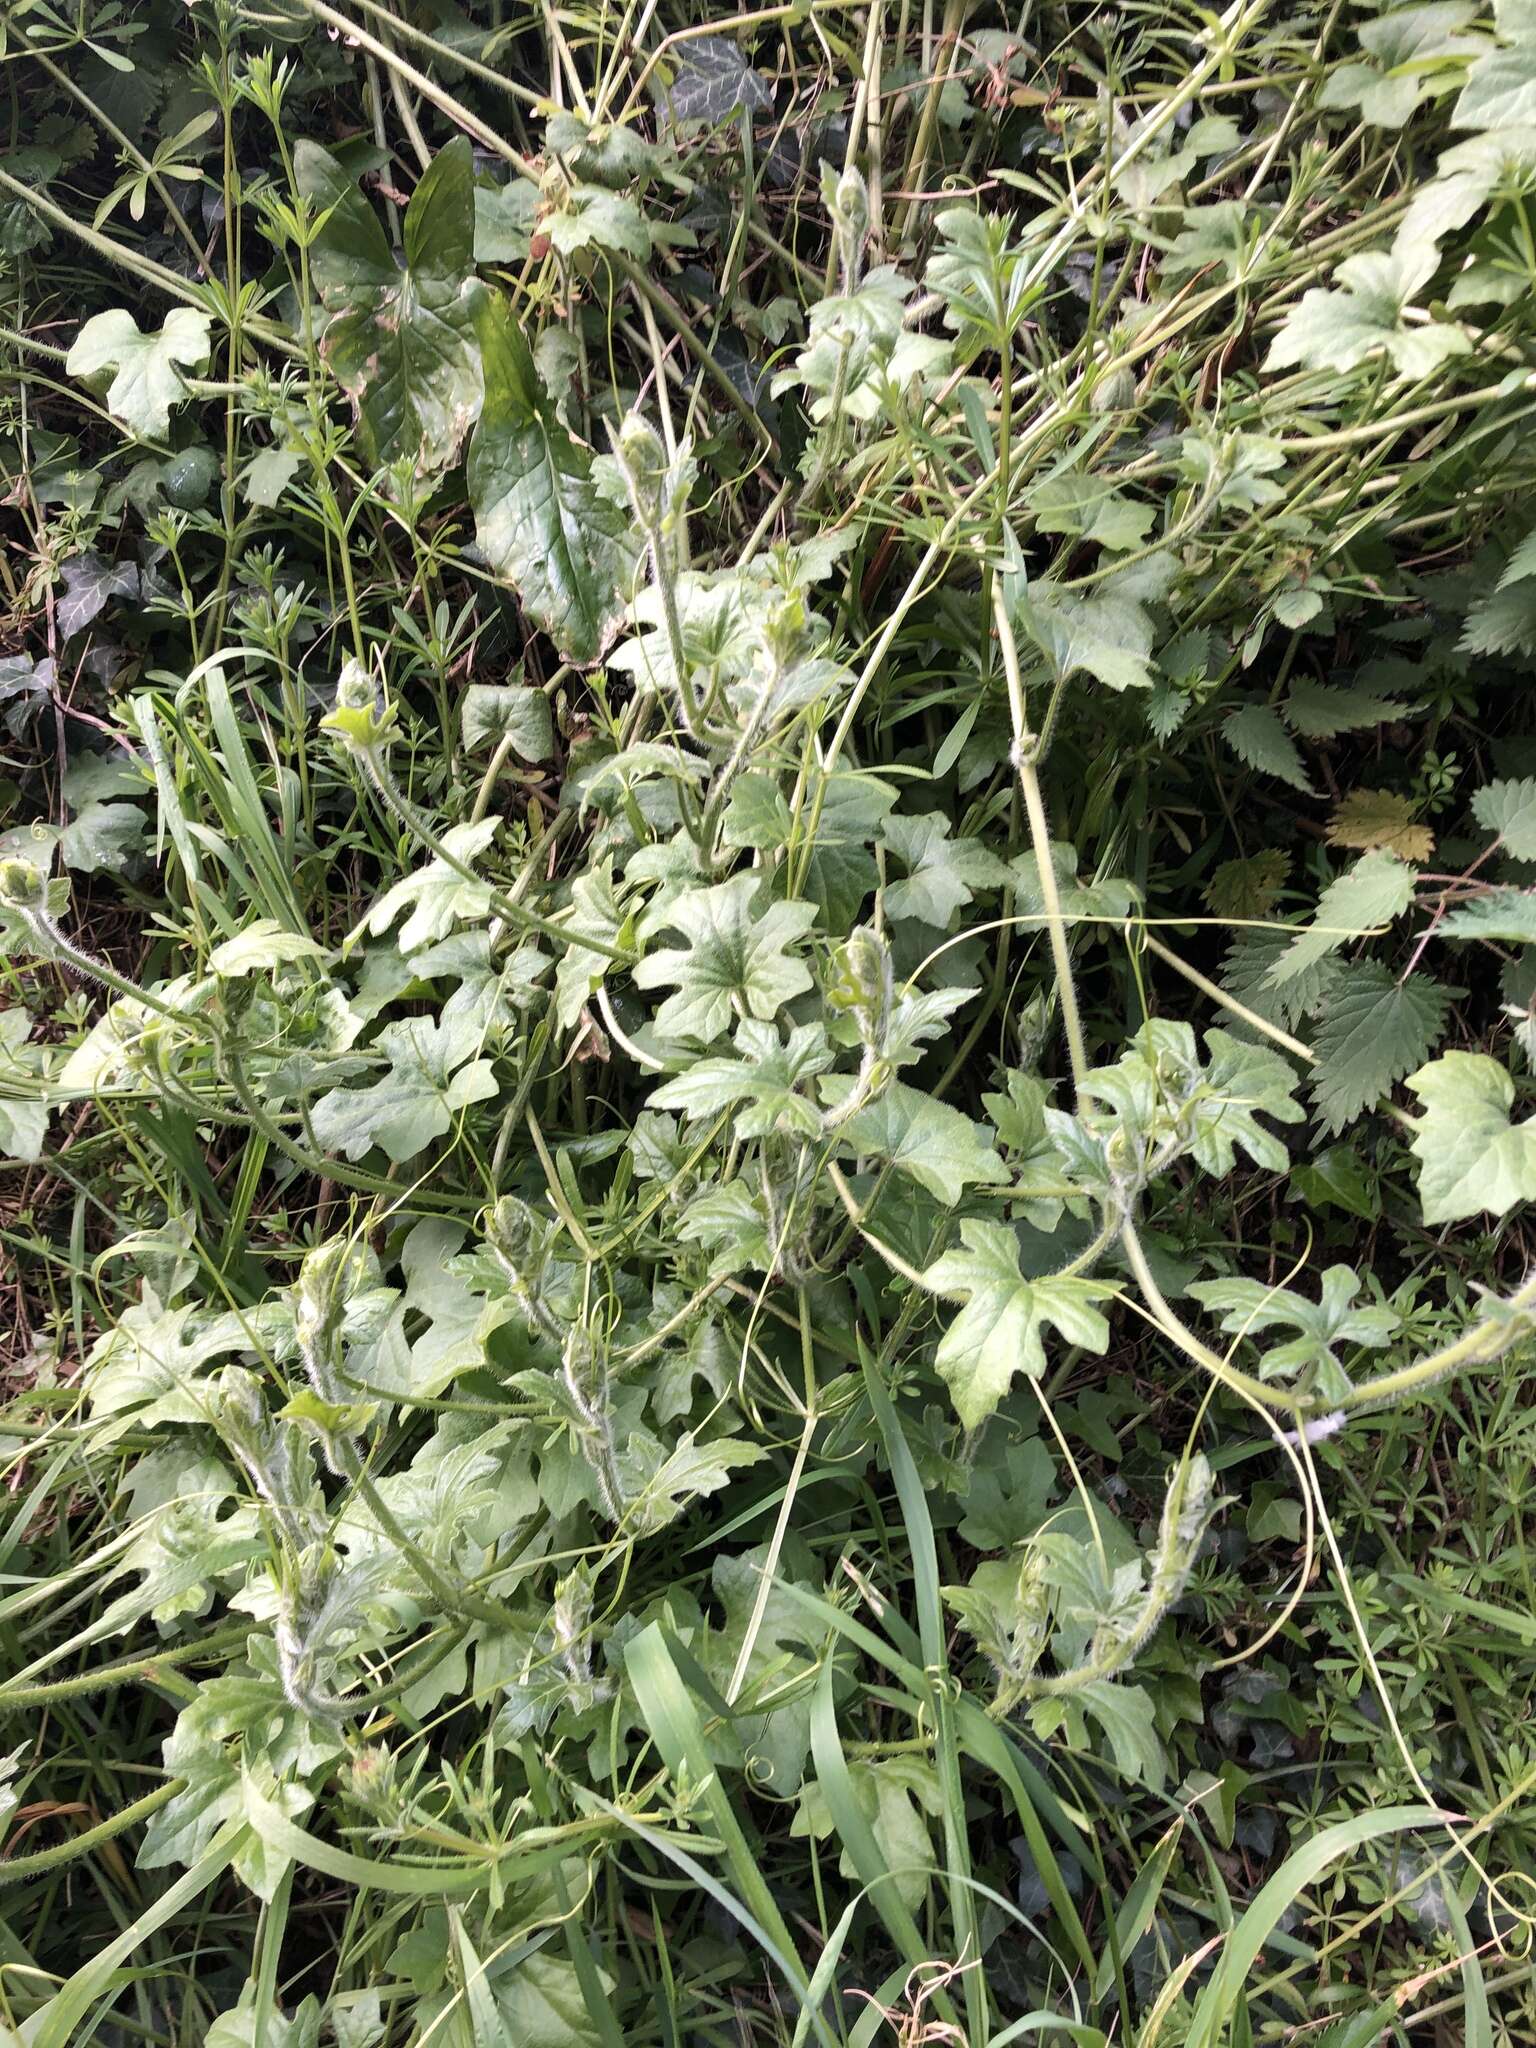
1379,818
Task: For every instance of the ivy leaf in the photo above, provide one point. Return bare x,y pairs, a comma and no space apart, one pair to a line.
735,962
431,1079
1257,737
712,80
1371,1033
767,1076
999,1330
1508,809
1380,818
1471,1157
539,518
401,341
935,1145
1375,890
1248,1307
145,383
943,874
1342,328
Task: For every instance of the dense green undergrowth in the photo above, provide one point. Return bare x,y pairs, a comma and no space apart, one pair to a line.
769,955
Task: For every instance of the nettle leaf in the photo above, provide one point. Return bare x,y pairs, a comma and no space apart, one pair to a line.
1365,897
1503,620
935,1145
433,1076
145,380
769,1076
736,962
1248,1308
1000,1328
1372,1031
943,874
1503,916
1257,737
1340,329
539,518
401,341
1380,818
1319,711
1508,809
1472,1159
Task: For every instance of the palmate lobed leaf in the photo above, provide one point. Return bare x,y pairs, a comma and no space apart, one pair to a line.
147,370
737,961
1472,1158
1001,1325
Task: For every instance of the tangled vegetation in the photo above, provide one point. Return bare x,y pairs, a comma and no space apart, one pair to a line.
768,931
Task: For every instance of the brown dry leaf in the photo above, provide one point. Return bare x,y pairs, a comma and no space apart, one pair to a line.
1378,818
